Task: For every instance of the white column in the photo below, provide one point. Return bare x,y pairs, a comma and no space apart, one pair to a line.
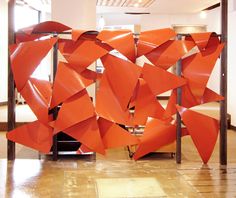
77,14
3,50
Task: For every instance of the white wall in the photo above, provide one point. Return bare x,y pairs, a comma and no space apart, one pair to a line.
232,61
3,50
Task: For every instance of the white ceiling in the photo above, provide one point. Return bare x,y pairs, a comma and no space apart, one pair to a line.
164,7
156,7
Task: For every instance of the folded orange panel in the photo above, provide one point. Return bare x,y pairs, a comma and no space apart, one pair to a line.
203,131
87,132
67,83
167,54
122,76
198,67
44,87
83,56
35,99
156,134
121,40
34,135
146,105
107,105
210,96
27,57
47,26
204,40
114,136
76,34
159,80
74,110
151,39
23,37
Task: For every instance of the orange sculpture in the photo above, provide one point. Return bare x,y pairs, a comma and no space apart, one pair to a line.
124,85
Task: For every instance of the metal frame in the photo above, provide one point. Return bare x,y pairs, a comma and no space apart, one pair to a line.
223,83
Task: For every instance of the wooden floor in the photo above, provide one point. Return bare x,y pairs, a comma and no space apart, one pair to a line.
116,175
93,176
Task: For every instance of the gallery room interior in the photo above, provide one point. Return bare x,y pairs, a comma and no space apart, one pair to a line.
117,98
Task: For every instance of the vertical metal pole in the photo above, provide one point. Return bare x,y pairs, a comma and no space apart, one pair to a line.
223,84
178,117
11,85
55,110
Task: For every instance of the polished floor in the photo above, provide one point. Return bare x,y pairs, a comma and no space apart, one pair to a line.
116,175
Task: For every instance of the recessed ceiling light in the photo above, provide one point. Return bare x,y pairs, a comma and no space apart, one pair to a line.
136,5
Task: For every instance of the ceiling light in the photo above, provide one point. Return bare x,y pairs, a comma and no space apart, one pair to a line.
203,14
136,5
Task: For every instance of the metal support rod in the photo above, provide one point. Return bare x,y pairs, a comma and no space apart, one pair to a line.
223,84
178,117
55,110
11,85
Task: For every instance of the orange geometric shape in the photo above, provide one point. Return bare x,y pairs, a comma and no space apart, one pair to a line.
76,34
198,67
167,54
114,136
156,134
83,56
46,27
151,39
122,76
74,110
121,40
210,96
23,37
67,83
146,105
34,135
204,135
27,57
107,105
37,102
204,40
44,87
87,132
159,80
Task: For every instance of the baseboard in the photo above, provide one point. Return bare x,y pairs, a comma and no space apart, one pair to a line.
3,103
232,127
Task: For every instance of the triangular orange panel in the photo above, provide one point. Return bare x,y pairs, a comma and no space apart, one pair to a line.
67,83
121,40
156,134
151,39
87,132
35,99
27,57
107,105
44,87
167,54
147,105
203,130
74,110
198,67
159,80
122,76
210,96
114,136
85,54
34,135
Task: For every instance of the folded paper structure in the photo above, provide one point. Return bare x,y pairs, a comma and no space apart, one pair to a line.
126,93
